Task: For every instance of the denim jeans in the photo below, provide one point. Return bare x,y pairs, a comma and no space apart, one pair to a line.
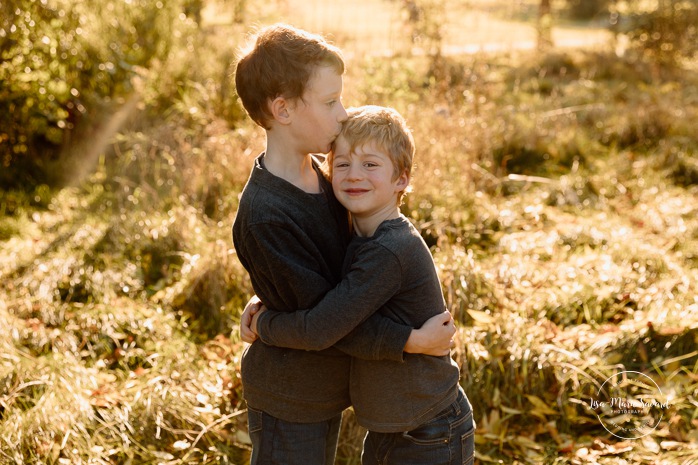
447,439
279,442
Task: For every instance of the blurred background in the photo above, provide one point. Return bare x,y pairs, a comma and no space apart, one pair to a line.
555,186
381,27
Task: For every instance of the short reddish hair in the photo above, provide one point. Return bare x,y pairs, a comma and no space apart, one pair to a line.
281,62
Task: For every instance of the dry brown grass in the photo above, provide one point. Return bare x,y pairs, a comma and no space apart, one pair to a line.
557,194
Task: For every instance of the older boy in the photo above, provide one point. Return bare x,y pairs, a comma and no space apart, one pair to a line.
415,411
291,234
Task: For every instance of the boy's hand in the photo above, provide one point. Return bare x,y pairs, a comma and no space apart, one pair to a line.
255,317
434,337
252,307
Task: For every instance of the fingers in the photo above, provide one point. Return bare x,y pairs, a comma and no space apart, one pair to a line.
446,341
450,327
246,333
253,323
252,307
446,317
435,337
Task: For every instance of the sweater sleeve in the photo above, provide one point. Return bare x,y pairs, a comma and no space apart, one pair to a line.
287,279
377,338
373,278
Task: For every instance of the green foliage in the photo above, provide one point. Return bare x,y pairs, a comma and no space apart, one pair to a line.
585,10
37,99
401,79
426,19
16,206
666,34
9,227
62,61
684,170
534,147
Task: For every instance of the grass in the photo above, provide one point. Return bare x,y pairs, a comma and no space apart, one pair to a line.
557,194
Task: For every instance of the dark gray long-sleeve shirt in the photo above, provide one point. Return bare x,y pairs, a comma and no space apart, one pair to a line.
292,244
392,272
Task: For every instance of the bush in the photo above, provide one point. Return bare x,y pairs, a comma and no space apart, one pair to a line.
64,62
585,10
665,35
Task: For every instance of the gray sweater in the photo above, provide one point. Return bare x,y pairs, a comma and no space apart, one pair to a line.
392,271
292,244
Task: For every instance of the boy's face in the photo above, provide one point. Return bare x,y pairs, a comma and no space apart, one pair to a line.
364,180
319,114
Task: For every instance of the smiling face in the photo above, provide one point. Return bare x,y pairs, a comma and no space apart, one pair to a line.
365,182
319,113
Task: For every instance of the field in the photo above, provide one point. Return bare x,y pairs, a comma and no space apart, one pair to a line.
558,193
377,27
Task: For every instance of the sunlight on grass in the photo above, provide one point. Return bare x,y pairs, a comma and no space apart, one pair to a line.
557,193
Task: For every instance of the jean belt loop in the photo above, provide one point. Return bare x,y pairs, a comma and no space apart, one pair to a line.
456,405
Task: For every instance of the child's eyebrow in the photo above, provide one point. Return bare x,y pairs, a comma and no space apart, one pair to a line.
328,95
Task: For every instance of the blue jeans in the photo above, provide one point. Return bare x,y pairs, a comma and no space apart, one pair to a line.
447,439
279,442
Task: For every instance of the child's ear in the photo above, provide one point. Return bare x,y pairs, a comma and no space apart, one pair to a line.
402,181
280,110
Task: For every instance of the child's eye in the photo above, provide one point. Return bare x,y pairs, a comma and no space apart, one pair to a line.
370,164
331,103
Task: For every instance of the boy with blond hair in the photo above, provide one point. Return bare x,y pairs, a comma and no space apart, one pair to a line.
415,410
291,234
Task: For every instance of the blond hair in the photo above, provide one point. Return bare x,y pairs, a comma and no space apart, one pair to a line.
386,128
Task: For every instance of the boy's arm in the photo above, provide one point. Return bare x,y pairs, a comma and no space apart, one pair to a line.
363,290
377,338
435,337
372,280
371,340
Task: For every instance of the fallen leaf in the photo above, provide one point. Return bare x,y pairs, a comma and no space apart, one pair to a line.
162,455
510,411
650,444
523,441
541,409
671,445
242,437
181,445
481,317
485,458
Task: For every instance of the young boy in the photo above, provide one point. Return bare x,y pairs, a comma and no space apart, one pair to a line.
415,411
290,234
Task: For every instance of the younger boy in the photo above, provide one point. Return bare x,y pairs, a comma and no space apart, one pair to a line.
290,234
415,411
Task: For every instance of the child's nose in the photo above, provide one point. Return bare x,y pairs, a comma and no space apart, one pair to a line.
342,117
354,171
